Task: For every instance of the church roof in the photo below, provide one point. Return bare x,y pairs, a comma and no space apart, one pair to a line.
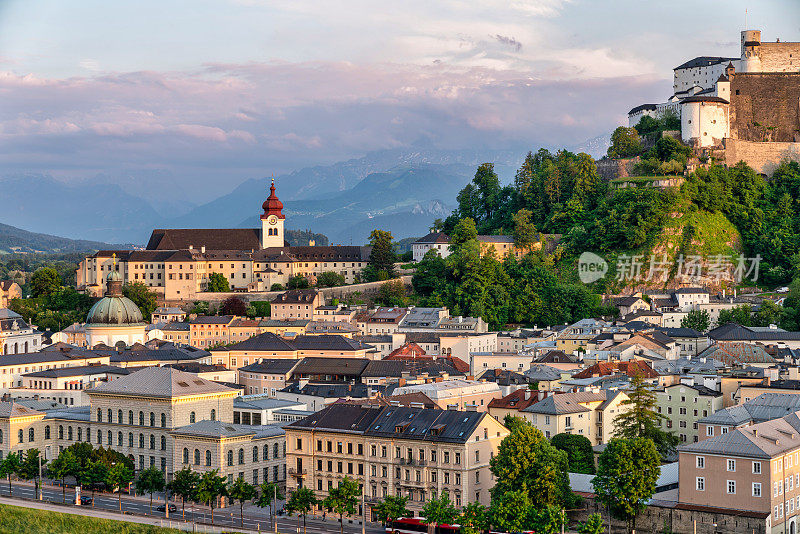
211,238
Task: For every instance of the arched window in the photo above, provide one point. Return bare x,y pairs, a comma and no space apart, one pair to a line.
99,437
20,435
266,452
110,438
152,419
241,456
141,441
230,456
99,415
163,420
208,458
152,441
191,417
120,439
275,451
141,418
31,436
130,439
185,455
80,433
1,435
213,414
163,443
255,454
130,417
110,416
60,431
69,433
197,457
47,432
119,417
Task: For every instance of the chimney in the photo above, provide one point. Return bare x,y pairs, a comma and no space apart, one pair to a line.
527,394
203,249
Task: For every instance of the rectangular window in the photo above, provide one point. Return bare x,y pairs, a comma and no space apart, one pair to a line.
731,465
709,431
756,489
701,462
757,468
701,483
731,487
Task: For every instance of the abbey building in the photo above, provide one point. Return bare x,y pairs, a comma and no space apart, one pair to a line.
177,263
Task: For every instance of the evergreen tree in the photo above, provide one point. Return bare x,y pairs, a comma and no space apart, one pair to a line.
580,455
638,418
382,256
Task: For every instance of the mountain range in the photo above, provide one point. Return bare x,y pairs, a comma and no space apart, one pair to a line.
14,240
400,190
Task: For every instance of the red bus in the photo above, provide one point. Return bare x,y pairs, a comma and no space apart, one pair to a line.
416,525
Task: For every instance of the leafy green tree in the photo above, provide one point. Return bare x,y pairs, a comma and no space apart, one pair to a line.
382,256
200,307
626,476
330,279
624,143
474,518
298,282
10,466
593,525
647,124
638,418
392,293
210,487
95,472
270,492
65,465
233,305
45,282
547,519
29,467
184,484
276,287
510,511
118,477
768,313
241,491
463,232
343,499
526,461
698,320
217,283
300,502
440,510
391,508
580,456
143,297
151,480
742,315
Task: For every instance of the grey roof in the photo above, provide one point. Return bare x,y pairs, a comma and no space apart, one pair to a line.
314,366
219,429
271,366
176,326
762,440
160,382
78,371
765,407
683,366
397,368
736,332
330,390
261,402
680,332
166,352
565,403
71,413
543,372
14,409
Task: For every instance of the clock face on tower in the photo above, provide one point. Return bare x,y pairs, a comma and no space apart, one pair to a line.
273,220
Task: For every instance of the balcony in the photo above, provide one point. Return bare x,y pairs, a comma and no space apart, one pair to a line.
300,473
413,483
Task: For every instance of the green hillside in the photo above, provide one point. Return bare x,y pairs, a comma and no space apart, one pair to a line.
15,240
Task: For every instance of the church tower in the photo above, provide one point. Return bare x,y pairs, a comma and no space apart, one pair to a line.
272,220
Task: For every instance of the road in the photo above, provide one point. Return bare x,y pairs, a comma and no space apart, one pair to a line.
225,517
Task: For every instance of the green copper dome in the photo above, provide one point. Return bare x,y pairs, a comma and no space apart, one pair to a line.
114,308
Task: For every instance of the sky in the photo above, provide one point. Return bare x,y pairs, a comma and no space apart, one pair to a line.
209,93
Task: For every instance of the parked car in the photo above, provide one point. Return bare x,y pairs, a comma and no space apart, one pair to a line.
172,508
86,500
783,289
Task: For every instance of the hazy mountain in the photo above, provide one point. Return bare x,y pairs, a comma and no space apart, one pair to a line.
17,240
102,212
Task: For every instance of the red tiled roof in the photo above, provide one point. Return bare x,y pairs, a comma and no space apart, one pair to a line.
631,368
408,349
460,365
515,400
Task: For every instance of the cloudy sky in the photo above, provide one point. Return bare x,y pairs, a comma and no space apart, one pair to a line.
210,93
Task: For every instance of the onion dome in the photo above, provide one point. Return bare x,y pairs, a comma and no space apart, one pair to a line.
114,308
272,206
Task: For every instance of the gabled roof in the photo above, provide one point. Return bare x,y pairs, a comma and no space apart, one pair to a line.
516,400
219,429
14,409
565,403
433,238
736,332
761,440
543,373
212,239
733,353
557,356
264,342
83,370
271,366
629,368
296,296
330,366
160,382
705,61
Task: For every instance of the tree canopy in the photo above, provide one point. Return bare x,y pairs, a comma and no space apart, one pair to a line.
638,418
580,456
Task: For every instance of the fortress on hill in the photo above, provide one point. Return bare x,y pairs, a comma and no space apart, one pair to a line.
744,108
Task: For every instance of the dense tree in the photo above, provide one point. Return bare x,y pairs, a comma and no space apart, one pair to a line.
10,466
300,502
698,320
211,487
474,518
262,308
440,510
626,476
330,279
243,492
510,511
45,282
624,143
119,476
218,283
65,465
742,315
150,480
593,525
525,233
298,282
392,293
143,297
381,257
184,484
30,466
638,418
233,305
276,287
527,462
343,499
580,456
92,474
391,508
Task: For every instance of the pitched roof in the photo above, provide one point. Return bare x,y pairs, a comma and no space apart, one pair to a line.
212,239
313,366
516,400
433,238
737,332
629,368
737,353
761,440
705,61
556,356
219,429
565,403
296,296
398,368
460,365
271,366
14,409
264,342
160,382
83,370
